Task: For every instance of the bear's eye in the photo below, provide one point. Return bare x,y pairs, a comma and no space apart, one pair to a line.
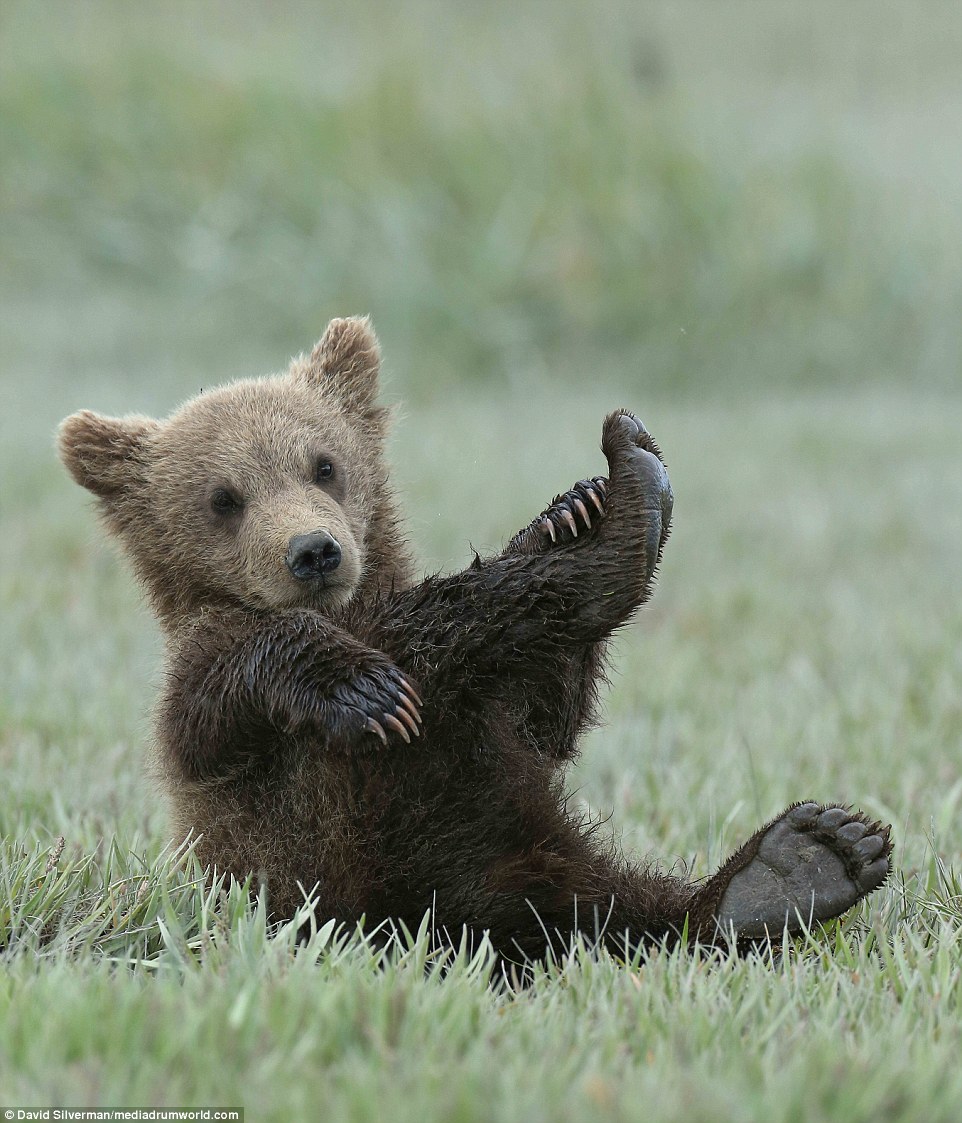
222,502
323,471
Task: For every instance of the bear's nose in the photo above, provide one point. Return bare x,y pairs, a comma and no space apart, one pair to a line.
310,555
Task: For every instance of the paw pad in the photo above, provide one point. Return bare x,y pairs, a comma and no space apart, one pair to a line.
811,864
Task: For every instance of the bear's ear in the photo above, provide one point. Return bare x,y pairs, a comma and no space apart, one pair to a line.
349,358
104,454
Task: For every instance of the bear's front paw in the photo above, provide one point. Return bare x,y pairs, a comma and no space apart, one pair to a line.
380,701
633,452
561,520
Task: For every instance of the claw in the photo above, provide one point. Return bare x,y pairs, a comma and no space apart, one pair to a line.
376,727
549,527
409,689
392,723
594,497
408,720
583,511
601,484
571,521
408,705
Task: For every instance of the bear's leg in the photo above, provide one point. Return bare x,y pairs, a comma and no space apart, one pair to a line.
572,676
810,864
555,897
520,611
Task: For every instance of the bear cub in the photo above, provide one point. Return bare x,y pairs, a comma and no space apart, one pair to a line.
336,726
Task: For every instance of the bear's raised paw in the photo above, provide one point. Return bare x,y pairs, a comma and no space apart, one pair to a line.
586,498
626,442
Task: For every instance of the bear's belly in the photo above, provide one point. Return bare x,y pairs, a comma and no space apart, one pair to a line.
371,834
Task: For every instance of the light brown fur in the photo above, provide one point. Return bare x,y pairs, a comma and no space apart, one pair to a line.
259,437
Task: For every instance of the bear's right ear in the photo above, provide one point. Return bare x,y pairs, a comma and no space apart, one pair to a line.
348,358
104,454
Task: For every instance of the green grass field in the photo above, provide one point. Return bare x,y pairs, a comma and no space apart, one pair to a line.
742,221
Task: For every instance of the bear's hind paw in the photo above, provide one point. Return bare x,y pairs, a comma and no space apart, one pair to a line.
811,864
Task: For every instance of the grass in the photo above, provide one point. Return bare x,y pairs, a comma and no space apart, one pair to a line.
753,245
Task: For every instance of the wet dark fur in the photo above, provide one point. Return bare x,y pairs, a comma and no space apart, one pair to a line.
264,728
471,818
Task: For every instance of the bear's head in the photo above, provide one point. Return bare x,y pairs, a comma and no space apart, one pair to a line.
269,493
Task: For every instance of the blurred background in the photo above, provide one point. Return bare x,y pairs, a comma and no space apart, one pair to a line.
742,219
687,197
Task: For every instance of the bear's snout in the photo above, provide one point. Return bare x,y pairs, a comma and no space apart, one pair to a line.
313,555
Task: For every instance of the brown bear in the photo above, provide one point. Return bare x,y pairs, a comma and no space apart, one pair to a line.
335,726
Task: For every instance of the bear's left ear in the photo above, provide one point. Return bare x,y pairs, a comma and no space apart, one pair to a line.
106,455
348,358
